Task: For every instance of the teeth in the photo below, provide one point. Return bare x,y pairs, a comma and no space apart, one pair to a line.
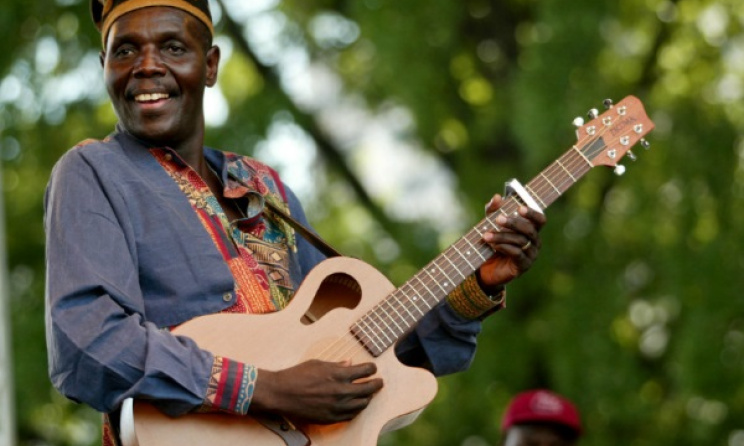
147,97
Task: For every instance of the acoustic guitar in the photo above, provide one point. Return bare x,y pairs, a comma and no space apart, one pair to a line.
345,309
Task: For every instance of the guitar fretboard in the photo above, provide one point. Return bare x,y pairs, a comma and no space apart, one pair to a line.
396,315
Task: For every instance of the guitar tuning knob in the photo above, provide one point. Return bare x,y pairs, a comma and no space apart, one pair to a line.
619,170
593,113
645,144
607,103
631,155
578,121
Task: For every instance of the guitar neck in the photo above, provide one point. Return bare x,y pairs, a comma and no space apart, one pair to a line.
396,315
602,141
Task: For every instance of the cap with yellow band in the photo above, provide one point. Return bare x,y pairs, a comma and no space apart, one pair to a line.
105,12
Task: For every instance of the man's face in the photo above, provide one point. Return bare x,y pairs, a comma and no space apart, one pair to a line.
156,66
535,436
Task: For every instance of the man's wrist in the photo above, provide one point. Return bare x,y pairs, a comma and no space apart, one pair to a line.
494,292
471,302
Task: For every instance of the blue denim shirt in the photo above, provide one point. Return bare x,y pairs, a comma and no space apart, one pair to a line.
127,256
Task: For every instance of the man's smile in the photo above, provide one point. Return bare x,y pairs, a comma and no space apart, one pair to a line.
152,101
151,97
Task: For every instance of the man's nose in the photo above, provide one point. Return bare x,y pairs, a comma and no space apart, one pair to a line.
149,64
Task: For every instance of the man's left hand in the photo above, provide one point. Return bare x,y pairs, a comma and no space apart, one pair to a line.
515,246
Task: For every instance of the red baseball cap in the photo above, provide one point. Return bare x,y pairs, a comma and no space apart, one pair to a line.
541,406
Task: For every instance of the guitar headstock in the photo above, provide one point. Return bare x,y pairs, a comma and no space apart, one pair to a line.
608,137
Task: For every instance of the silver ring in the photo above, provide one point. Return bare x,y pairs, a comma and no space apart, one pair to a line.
527,245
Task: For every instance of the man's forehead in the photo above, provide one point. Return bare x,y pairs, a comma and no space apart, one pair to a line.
155,19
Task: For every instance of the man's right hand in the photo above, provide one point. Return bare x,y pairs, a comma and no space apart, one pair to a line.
316,391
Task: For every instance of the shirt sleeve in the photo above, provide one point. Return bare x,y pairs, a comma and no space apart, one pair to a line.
101,349
231,386
445,339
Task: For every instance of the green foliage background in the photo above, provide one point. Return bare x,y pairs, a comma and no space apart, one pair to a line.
634,309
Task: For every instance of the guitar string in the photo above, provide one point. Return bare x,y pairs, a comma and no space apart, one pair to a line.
568,180
561,188
355,345
558,186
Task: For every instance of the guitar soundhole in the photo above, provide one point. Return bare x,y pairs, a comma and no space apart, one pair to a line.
338,290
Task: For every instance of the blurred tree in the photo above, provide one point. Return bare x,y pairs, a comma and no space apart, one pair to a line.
396,122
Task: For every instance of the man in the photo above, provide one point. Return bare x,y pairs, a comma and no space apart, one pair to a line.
540,418
148,229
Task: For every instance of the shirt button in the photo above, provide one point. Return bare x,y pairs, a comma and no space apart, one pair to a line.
168,157
227,297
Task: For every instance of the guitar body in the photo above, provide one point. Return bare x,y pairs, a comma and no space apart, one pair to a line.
336,293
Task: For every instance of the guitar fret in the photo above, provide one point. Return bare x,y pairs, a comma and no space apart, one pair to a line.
551,184
481,231
537,197
436,282
423,299
464,257
453,265
583,156
366,332
361,333
402,330
477,250
559,163
445,283
558,178
405,307
416,298
380,329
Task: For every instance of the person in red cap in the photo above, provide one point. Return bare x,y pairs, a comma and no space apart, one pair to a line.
540,418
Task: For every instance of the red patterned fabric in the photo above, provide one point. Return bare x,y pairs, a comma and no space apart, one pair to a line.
261,281
256,252
256,291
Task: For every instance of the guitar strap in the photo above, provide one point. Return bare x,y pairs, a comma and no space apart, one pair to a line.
309,235
288,433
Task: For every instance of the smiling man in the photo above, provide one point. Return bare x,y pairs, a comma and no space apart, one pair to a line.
147,229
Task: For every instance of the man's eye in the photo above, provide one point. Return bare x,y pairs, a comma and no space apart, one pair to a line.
176,49
123,52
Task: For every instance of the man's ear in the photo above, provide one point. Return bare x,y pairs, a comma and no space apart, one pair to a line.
102,57
213,65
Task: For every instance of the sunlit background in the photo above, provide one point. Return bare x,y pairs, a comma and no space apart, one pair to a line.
395,122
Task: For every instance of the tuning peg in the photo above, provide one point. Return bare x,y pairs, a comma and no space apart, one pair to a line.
607,103
645,144
631,155
619,170
578,121
593,113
